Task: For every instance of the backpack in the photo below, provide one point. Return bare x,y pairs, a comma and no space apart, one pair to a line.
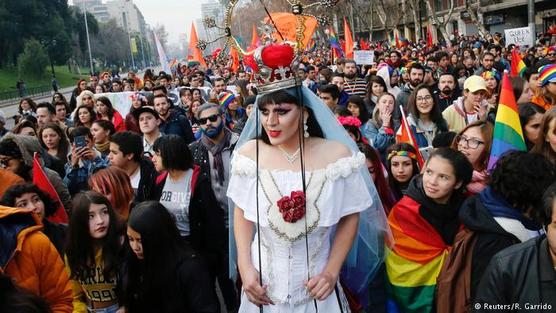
453,284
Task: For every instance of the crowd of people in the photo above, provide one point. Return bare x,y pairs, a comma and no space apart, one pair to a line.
154,195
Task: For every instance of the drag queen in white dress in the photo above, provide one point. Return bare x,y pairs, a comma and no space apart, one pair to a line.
295,231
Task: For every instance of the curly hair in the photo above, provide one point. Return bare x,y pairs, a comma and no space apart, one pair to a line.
16,191
521,178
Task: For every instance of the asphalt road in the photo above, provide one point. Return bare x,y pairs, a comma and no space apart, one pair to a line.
12,109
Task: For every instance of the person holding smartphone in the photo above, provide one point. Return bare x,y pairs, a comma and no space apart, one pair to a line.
84,161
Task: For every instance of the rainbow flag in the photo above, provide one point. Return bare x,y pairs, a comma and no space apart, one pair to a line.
335,43
415,261
507,128
517,66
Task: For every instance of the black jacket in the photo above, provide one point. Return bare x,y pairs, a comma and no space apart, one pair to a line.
491,237
146,188
201,156
206,219
57,233
190,290
520,275
178,124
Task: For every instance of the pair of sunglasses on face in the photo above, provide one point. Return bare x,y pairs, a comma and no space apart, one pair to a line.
213,118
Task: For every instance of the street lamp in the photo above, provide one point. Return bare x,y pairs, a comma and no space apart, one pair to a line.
89,43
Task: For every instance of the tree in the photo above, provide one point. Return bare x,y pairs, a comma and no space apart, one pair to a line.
111,45
33,60
441,21
473,8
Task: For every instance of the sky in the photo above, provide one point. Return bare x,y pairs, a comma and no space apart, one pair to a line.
175,15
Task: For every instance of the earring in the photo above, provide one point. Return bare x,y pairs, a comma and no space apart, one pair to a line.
305,128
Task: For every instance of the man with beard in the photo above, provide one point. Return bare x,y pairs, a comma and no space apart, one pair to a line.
173,122
487,62
416,77
446,91
213,154
353,84
338,80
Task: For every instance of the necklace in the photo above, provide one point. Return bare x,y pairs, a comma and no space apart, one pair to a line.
290,157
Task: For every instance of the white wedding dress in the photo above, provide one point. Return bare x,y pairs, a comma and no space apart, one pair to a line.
332,193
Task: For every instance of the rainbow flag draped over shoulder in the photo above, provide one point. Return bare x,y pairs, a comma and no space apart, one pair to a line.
507,128
517,65
414,263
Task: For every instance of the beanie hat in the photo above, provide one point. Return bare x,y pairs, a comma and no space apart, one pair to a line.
225,98
547,74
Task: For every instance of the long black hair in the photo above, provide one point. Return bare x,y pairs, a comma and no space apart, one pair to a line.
435,114
79,247
163,250
364,114
397,187
281,96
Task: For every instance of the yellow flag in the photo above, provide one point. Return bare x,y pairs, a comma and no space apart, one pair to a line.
133,45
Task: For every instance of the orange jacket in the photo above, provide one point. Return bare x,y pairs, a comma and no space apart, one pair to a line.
31,260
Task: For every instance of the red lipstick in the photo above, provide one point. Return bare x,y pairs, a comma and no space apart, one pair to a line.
274,133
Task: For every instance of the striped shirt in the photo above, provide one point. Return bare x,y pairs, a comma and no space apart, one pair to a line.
358,86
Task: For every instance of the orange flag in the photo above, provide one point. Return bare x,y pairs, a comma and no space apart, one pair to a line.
255,41
41,180
349,40
286,23
405,134
195,53
235,59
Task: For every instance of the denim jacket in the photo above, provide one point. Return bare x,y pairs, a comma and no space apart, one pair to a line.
77,177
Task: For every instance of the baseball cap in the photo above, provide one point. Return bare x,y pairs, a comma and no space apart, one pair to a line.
144,109
474,83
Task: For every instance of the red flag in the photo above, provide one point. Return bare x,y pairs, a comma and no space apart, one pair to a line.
235,59
398,44
429,37
41,180
405,134
195,53
349,40
364,45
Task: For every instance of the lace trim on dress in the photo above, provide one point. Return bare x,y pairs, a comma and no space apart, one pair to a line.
343,167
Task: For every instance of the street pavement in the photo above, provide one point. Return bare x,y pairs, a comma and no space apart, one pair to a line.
11,109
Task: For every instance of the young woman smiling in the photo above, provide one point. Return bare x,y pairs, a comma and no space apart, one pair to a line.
424,224
425,118
474,141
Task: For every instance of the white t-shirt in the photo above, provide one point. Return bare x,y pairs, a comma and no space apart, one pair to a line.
135,178
175,197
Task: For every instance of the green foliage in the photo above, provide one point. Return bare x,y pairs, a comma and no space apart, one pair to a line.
51,22
33,60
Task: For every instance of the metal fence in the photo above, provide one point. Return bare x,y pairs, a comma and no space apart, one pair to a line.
14,95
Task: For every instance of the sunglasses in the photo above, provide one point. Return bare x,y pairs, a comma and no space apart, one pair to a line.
212,118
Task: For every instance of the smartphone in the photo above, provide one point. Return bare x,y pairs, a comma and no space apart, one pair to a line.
80,142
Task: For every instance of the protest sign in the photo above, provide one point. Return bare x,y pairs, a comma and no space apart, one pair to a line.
519,36
364,57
